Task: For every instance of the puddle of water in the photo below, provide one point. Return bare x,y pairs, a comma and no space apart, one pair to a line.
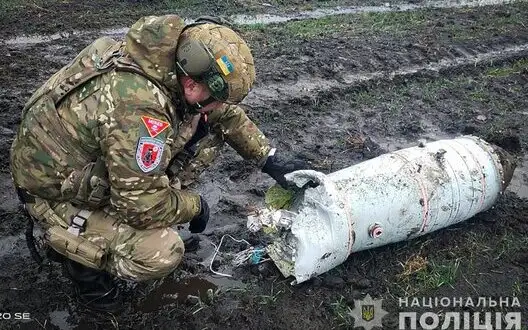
172,291
225,283
59,319
115,32
37,39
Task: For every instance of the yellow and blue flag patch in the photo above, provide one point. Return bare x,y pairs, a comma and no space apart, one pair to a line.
225,65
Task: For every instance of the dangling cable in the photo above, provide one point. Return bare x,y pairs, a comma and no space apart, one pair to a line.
217,249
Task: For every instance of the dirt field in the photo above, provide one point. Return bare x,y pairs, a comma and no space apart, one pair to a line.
385,76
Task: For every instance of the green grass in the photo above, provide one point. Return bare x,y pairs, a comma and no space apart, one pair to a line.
517,288
341,312
395,21
477,88
319,27
477,247
510,244
364,98
350,24
431,277
515,68
480,95
424,21
254,27
174,5
437,275
269,300
497,24
278,198
121,11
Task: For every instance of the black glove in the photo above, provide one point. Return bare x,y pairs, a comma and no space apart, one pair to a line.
277,168
199,222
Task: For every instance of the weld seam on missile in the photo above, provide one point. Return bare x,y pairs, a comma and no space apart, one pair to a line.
468,170
482,179
456,176
453,201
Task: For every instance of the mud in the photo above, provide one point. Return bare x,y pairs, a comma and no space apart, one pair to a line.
253,19
387,79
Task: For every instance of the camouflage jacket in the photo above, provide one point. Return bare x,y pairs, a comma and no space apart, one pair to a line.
134,122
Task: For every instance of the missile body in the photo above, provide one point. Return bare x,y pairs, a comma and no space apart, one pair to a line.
391,198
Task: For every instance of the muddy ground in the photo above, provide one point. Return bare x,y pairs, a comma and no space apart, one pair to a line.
385,79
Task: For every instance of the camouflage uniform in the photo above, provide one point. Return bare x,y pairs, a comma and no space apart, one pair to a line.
101,150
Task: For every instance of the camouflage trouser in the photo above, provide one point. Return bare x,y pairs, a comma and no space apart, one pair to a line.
130,253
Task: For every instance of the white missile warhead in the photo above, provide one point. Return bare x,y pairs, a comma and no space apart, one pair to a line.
391,198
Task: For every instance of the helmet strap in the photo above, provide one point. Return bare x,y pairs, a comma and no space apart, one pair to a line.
200,105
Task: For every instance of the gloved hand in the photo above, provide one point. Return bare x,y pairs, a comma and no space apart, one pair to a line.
199,222
277,168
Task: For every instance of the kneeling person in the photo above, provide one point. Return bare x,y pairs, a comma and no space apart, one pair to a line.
107,145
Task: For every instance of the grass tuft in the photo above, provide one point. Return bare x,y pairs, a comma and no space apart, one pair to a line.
341,312
278,198
516,67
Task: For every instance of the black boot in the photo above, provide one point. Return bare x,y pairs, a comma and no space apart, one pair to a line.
191,242
95,289
53,255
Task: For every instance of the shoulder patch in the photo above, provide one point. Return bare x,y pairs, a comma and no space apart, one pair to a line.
148,153
154,126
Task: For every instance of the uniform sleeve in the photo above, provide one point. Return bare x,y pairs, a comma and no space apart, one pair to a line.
137,150
241,133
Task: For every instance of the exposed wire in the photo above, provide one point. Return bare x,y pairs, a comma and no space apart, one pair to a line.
217,249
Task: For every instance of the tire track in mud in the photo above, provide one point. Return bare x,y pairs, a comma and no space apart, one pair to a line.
458,59
266,19
397,7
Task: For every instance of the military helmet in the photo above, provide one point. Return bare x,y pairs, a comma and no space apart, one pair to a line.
217,56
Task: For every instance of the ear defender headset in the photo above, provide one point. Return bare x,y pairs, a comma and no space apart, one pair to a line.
194,59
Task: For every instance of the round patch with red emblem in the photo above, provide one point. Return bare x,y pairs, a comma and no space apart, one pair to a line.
148,153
